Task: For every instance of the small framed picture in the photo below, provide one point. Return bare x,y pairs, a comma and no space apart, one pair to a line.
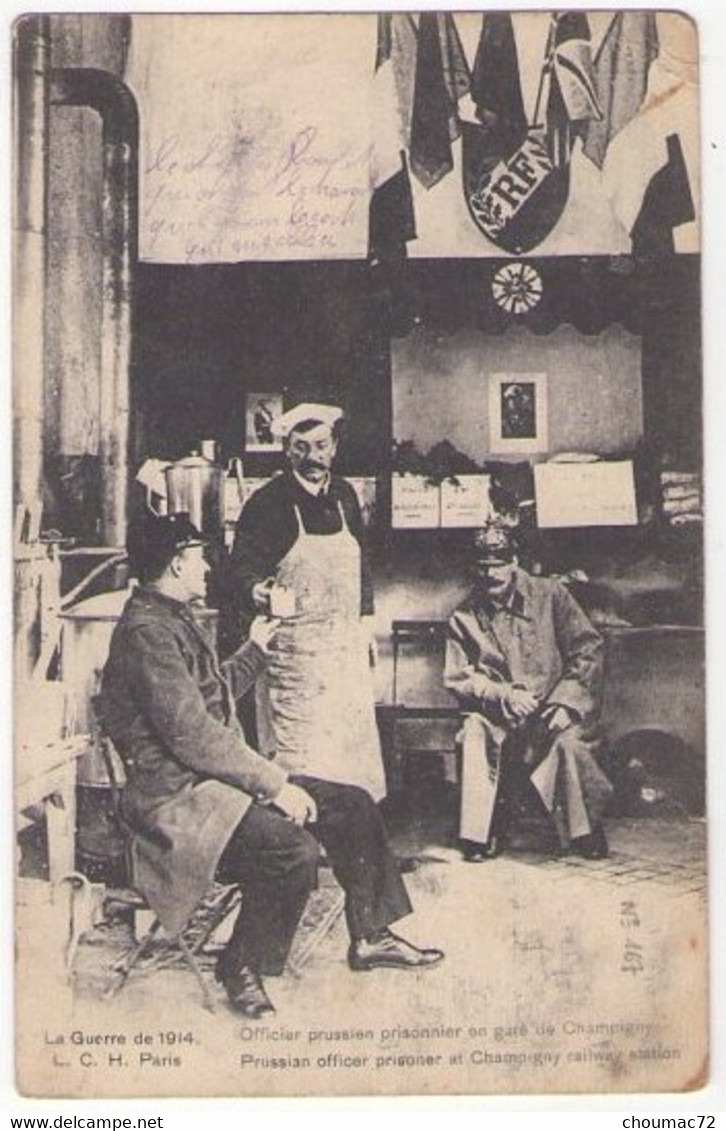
518,412
262,410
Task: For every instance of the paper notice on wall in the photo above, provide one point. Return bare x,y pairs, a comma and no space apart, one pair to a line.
585,494
255,136
465,501
415,503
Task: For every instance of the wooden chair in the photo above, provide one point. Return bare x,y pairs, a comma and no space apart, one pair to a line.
217,906
425,640
214,909
198,930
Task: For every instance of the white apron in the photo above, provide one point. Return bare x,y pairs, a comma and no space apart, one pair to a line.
315,704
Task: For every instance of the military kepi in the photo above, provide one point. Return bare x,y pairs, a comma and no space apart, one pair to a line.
154,540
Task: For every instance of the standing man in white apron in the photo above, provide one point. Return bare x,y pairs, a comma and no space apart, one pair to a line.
299,554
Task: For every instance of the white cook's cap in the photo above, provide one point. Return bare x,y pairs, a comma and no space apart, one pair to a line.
284,424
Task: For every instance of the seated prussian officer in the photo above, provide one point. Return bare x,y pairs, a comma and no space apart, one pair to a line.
527,666
201,803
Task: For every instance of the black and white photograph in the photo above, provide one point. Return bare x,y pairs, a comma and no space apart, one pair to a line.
360,724
518,412
263,409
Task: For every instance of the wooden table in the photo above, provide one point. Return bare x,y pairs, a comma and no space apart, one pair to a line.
46,776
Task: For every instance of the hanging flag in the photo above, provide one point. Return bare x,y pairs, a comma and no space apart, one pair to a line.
492,189
651,169
428,70
571,100
500,202
621,69
391,222
516,176
431,156
495,87
397,44
572,70
457,78
667,203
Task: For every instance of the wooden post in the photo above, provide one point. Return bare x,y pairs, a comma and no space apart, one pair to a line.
103,92
31,178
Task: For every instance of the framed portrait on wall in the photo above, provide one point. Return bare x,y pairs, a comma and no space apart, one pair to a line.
262,409
517,412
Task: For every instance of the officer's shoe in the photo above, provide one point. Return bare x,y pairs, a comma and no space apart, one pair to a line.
475,853
593,846
386,949
246,992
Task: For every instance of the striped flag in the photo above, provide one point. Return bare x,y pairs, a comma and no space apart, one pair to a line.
621,69
391,222
572,70
571,99
421,73
457,77
396,65
441,79
651,168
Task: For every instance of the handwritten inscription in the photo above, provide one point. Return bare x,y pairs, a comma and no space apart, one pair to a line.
632,961
253,194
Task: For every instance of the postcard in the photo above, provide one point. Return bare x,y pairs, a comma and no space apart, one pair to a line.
403,312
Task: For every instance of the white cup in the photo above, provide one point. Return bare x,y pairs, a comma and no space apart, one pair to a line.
282,601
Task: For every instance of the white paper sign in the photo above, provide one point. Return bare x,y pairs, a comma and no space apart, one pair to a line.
465,501
585,494
415,503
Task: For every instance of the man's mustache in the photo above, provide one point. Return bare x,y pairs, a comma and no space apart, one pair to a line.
307,466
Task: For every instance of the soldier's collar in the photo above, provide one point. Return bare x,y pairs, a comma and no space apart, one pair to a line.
515,604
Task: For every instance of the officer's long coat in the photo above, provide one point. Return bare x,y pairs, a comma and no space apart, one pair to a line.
169,709
542,640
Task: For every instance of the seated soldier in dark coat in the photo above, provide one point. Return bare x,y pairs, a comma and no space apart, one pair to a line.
201,803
